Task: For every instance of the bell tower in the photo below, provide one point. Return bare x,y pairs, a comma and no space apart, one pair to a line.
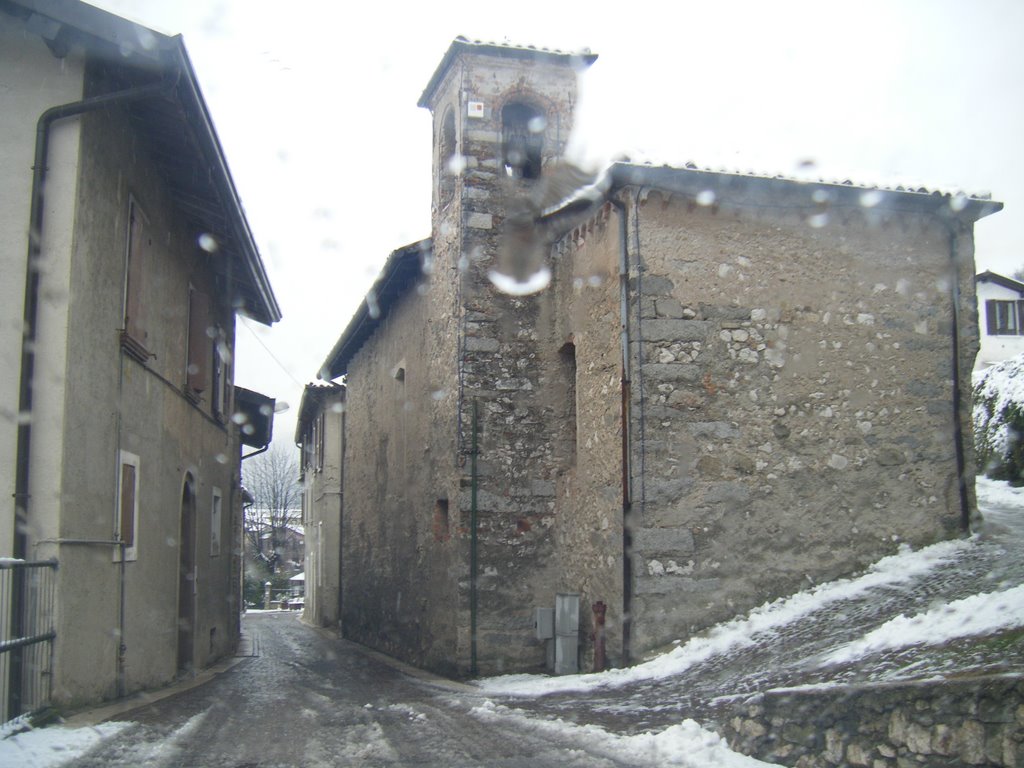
500,113
502,116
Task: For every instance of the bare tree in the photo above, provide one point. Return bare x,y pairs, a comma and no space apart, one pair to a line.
273,480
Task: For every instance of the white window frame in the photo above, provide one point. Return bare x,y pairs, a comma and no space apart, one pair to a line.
216,521
125,457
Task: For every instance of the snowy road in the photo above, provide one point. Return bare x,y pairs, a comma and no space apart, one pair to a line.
311,700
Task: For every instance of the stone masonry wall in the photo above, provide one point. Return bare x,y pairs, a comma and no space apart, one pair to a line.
793,410
974,721
590,496
509,368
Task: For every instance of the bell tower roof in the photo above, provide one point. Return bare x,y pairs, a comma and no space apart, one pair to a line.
577,60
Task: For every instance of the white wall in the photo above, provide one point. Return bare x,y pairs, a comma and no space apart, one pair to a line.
995,349
32,80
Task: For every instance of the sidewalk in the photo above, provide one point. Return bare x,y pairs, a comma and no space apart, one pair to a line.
91,716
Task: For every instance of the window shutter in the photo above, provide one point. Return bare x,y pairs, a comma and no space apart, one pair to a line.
138,250
128,505
990,317
198,340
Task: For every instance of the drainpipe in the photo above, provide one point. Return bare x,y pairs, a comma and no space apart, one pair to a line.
473,555
22,474
31,307
627,478
958,428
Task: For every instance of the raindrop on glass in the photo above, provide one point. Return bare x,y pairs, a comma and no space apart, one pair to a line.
371,305
513,286
707,197
208,242
870,198
817,220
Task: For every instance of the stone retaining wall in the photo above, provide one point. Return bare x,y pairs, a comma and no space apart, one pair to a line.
976,721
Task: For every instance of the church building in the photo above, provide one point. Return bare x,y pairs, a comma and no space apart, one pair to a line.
673,392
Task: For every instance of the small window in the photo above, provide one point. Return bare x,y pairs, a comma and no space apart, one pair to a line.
1004,318
198,357
128,504
448,165
221,376
134,337
318,428
215,522
440,521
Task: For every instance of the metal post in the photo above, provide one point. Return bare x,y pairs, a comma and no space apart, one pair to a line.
473,580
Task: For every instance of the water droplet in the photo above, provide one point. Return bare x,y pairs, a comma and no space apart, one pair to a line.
456,164
338,408
438,394
594,281
239,417
538,281
707,197
208,242
817,220
869,198
281,406
171,541
266,410
248,429
806,164
463,264
371,304
821,195
221,458
958,202
537,124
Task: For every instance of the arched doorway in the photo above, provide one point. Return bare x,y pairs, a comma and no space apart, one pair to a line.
187,578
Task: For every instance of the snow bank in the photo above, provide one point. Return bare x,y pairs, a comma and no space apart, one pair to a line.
686,745
900,568
975,615
53,746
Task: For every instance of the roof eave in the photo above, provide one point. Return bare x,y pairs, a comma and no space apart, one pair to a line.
721,187
460,45
267,310
386,290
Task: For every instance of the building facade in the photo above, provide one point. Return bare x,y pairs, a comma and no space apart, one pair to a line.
674,392
320,435
1001,318
117,337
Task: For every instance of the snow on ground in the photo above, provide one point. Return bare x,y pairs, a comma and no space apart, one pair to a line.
902,567
49,747
685,745
997,493
975,615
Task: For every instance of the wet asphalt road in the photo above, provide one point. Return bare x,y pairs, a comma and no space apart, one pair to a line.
309,699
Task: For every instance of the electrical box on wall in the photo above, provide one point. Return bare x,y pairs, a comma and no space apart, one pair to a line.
544,623
475,109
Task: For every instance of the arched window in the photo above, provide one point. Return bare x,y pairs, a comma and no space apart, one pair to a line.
522,140
447,165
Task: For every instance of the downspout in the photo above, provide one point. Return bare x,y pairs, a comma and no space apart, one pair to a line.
473,555
22,474
31,306
627,479
958,427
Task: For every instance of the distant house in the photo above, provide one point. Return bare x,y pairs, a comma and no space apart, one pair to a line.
319,434
675,392
1001,318
126,256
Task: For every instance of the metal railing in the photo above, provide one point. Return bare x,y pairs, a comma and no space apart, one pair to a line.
27,632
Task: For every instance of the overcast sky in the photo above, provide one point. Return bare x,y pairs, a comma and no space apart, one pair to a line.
315,105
